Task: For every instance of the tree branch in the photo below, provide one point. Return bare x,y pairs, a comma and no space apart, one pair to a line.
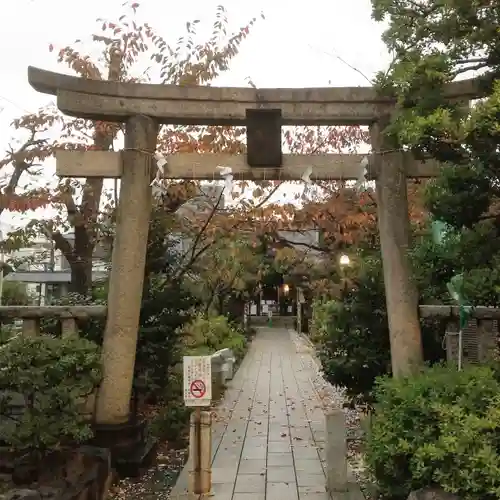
292,244
195,255
18,160
64,246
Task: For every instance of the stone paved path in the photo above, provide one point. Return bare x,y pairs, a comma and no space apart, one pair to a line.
269,434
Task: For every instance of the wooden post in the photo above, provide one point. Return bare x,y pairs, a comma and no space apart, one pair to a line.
200,452
394,227
336,451
127,272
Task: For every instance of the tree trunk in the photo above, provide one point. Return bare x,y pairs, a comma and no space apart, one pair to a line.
81,277
85,217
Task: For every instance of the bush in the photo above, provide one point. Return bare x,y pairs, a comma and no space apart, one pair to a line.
353,334
322,312
43,383
354,348
15,294
172,420
440,428
90,328
165,308
208,335
7,332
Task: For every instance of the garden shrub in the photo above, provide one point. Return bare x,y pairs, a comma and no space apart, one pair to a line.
90,328
172,420
322,312
202,336
352,334
7,332
165,308
440,428
354,348
43,382
206,335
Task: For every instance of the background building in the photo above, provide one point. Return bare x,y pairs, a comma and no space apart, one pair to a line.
43,269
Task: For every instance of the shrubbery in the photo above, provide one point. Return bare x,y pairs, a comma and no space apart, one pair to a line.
354,347
206,335
352,334
439,428
43,383
202,336
322,313
165,309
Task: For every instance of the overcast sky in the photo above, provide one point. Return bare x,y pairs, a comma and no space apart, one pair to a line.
295,46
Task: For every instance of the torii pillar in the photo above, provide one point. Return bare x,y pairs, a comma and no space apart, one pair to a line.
127,272
115,426
394,228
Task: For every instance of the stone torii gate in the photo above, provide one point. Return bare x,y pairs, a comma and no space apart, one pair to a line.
143,107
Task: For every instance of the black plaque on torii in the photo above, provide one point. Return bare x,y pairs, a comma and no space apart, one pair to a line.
264,138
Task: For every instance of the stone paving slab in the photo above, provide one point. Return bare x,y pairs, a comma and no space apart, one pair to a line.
268,435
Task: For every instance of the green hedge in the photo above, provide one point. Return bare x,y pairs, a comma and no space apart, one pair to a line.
352,334
206,335
440,428
202,336
43,384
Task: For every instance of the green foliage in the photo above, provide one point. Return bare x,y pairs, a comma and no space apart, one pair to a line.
206,335
6,333
202,336
471,252
52,377
433,266
92,328
354,350
171,422
443,41
439,428
227,270
322,312
354,346
15,294
460,195
166,307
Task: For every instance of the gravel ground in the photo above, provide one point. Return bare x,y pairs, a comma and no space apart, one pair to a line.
334,397
157,482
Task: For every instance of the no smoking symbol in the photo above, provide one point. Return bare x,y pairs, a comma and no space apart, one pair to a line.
198,389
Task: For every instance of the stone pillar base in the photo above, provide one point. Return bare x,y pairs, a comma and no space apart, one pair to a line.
132,449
